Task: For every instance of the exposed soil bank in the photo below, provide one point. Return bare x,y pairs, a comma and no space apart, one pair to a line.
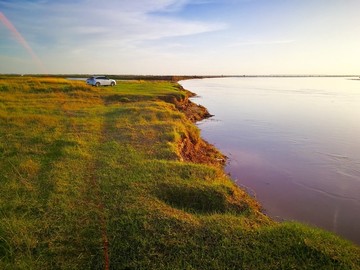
194,148
194,112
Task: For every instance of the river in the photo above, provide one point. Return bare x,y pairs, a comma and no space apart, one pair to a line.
293,143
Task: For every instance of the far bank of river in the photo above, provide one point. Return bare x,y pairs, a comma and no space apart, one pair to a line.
292,142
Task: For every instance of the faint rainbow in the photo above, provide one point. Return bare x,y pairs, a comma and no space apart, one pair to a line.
22,41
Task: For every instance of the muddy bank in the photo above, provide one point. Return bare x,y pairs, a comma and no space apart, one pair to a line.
192,147
194,112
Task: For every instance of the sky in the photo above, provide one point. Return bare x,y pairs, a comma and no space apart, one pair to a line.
183,37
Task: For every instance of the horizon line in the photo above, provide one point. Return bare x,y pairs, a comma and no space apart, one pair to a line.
183,75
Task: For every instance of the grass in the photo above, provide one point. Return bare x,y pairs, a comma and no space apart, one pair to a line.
93,178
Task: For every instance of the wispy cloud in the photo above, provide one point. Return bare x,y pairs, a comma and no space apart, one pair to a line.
89,22
187,36
260,42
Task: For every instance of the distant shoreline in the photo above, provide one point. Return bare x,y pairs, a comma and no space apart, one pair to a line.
177,78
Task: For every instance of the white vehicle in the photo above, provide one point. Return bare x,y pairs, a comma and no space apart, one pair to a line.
100,80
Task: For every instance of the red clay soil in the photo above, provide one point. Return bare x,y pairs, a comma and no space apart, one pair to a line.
197,150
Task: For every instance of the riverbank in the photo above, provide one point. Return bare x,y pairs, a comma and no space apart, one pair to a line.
119,178
300,165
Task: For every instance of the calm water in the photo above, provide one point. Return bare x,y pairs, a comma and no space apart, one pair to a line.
294,143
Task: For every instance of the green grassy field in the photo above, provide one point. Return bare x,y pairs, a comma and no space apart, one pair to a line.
96,178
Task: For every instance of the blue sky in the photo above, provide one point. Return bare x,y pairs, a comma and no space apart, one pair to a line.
183,37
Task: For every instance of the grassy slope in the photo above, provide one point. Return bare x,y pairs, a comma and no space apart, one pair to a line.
92,177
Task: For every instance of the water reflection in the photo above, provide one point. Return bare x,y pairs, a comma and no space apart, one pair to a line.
293,142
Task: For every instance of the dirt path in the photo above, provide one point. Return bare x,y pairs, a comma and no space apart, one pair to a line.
94,189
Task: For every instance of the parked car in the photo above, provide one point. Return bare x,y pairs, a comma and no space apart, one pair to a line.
100,80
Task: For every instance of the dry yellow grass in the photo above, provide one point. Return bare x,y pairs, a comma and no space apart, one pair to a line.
94,177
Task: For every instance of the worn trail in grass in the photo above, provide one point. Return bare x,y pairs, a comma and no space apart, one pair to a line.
101,178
